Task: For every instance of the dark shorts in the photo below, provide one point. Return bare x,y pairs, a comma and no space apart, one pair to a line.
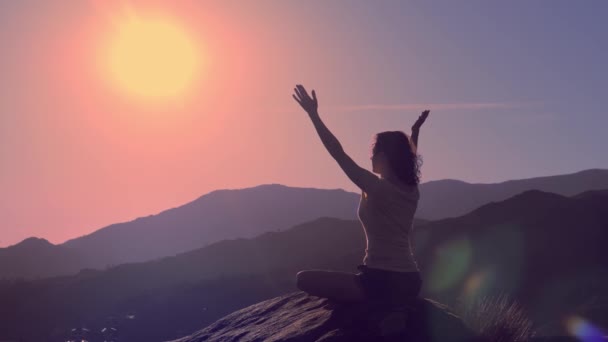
383,285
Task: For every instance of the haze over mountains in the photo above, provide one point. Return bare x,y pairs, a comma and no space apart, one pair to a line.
544,249
450,198
245,213
218,215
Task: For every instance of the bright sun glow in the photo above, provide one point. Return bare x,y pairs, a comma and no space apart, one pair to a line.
151,57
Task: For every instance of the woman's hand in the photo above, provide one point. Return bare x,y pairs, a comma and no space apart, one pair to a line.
309,105
420,120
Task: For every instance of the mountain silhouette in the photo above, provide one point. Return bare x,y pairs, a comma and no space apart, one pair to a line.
451,198
218,215
248,212
543,249
36,257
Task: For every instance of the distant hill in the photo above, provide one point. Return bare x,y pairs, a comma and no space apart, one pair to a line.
248,212
545,250
35,257
218,215
451,198
173,296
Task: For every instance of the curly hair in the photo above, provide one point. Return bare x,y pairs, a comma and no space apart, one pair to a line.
401,154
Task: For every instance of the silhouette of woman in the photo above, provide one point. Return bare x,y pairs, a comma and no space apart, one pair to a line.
386,210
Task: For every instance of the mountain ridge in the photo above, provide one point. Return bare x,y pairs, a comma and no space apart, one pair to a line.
548,257
274,206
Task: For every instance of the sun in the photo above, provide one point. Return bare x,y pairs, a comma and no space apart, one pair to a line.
151,57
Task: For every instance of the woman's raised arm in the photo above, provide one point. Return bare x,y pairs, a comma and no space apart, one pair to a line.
416,127
364,179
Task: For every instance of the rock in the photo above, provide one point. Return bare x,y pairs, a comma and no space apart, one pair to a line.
298,316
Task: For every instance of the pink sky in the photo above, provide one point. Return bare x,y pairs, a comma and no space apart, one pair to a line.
77,155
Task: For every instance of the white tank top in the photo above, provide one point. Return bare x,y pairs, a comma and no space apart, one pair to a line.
387,216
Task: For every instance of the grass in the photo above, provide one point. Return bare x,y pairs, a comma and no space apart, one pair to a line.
497,318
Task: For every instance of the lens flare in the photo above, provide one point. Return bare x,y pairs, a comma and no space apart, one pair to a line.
477,283
583,330
451,262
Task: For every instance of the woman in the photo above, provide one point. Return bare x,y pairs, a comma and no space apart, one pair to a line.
386,210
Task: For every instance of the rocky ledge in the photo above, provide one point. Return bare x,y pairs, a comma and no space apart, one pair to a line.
298,316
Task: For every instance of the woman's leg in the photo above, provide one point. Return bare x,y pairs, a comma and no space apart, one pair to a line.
341,286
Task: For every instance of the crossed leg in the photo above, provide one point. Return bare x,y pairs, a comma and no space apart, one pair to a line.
341,286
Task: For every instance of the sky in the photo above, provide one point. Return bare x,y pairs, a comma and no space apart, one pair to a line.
516,90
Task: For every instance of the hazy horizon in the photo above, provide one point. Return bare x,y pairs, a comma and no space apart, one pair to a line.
239,188
515,91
